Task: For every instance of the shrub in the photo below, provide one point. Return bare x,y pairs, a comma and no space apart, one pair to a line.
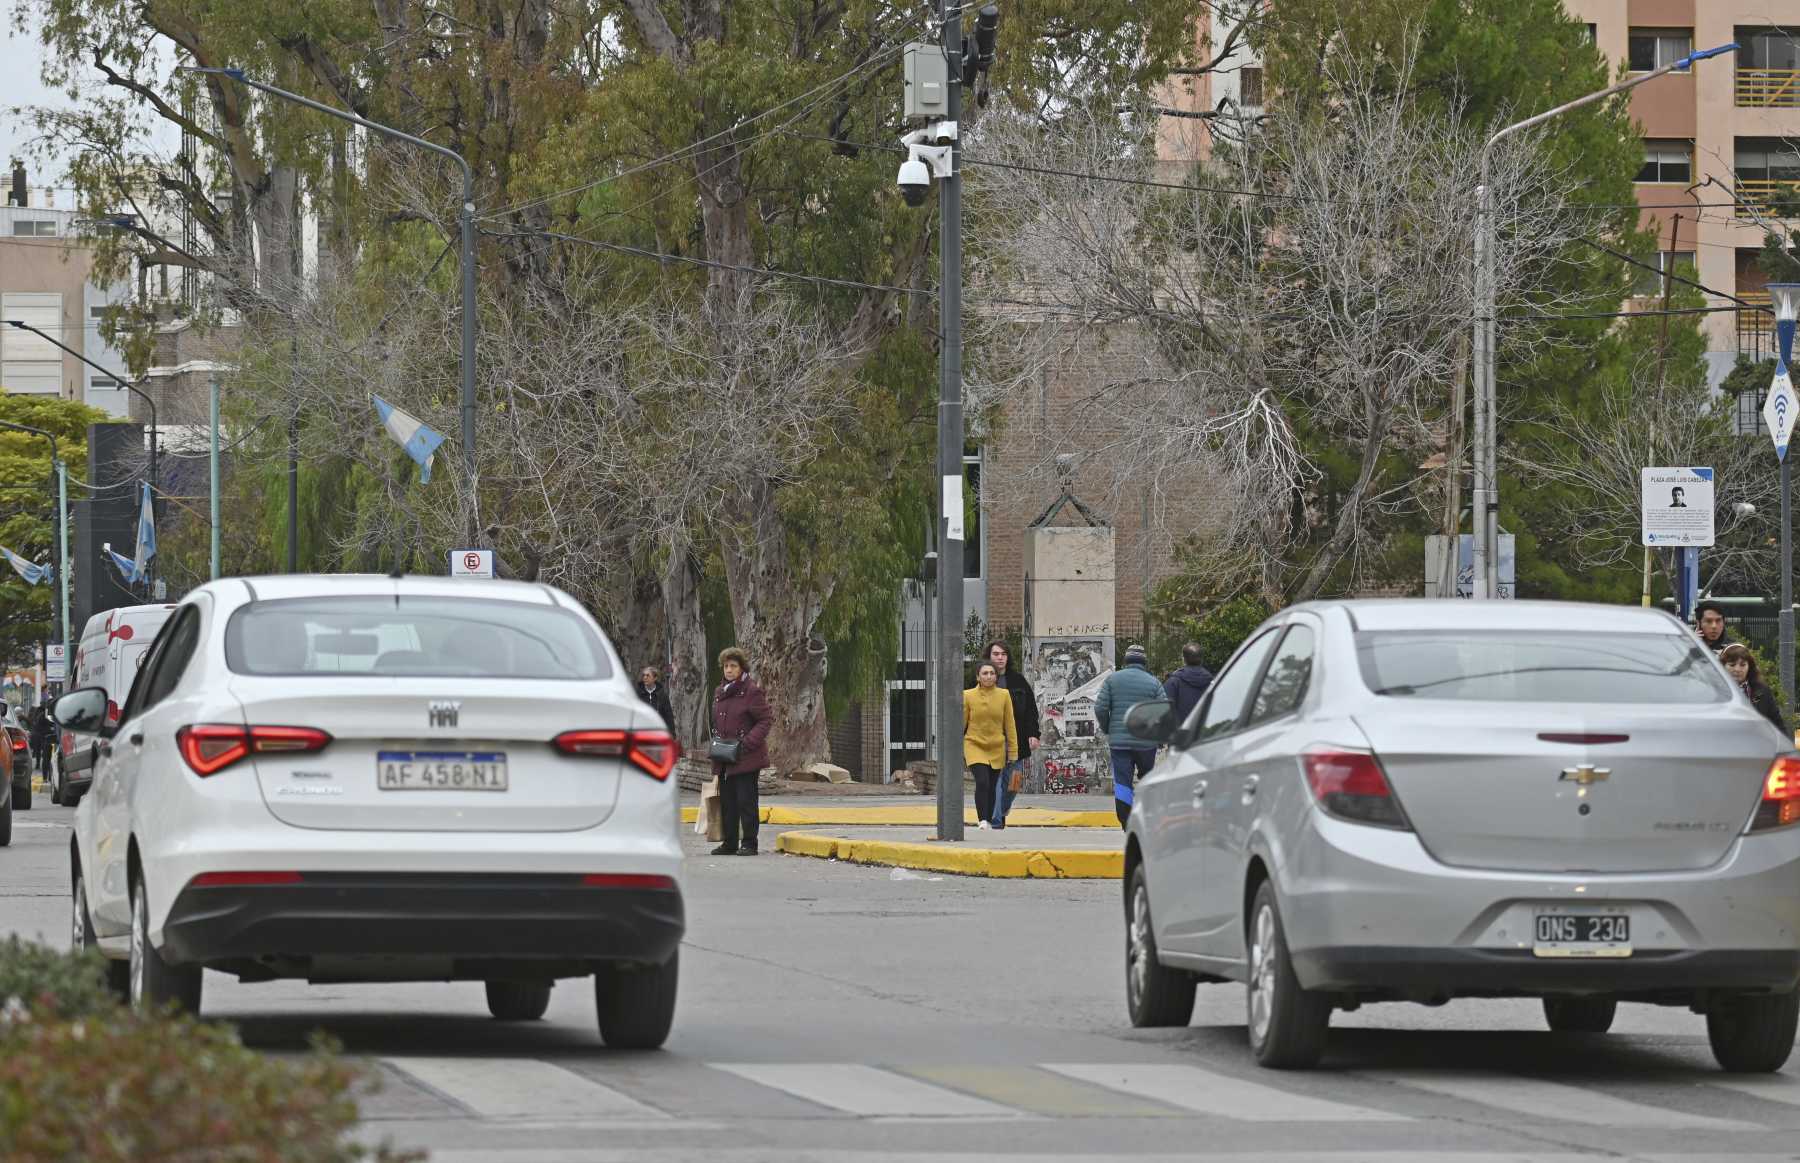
83,1078
1221,631
53,984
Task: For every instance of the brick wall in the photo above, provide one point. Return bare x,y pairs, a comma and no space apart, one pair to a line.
1083,406
845,735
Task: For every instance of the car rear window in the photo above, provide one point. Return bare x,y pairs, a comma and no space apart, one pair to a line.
1539,667
441,636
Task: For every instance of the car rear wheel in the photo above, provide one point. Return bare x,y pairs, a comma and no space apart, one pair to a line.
22,795
83,938
636,1003
6,811
1155,995
1287,1024
518,1001
154,982
1580,1015
1752,1033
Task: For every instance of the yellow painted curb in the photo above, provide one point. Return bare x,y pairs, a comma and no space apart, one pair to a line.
38,784
924,814
1043,864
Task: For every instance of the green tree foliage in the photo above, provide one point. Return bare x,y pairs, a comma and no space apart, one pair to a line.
28,508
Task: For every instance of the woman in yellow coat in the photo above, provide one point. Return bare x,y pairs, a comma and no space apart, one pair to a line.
990,741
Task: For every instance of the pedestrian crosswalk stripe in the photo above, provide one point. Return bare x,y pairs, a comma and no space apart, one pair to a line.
865,1090
1551,1100
1202,1091
1031,1089
513,1088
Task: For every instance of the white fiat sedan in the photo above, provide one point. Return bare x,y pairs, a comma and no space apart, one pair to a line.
1426,800
359,779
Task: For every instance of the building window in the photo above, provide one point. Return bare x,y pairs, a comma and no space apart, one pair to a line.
1747,418
1250,86
34,228
105,384
1680,262
1593,33
1668,161
97,312
1652,48
972,514
1768,68
1767,48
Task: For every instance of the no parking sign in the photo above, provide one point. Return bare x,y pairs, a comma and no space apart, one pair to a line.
471,563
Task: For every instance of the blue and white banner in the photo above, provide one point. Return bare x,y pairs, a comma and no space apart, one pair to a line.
127,567
146,531
33,573
419,439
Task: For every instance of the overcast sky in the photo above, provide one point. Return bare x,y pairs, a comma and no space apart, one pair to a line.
21,64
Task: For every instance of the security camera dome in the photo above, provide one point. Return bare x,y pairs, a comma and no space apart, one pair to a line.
914,181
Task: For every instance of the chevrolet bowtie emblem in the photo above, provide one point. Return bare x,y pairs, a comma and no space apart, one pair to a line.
1586,774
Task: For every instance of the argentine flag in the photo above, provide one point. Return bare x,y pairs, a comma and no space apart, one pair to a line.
146,531
33,573
127,567
411,433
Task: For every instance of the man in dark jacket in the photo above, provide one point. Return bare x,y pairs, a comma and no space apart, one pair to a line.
1131,757
650,688
1709,618
1186,685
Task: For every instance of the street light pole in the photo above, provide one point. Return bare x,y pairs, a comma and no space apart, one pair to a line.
149,401
62,531
467,217
1786,300
950,459
212,391
1486,492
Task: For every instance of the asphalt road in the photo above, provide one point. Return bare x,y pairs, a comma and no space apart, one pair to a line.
831,1012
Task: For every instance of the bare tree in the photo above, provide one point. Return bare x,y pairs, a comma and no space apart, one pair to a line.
1305,296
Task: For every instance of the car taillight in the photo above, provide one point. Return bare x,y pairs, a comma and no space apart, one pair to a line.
112,711
1781,795
627,880
209,748
651,752
1351,786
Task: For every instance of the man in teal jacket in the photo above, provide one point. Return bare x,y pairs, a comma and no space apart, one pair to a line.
1124,689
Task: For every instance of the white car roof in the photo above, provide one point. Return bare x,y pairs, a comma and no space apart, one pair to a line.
1562,617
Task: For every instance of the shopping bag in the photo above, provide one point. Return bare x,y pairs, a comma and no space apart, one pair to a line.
709,818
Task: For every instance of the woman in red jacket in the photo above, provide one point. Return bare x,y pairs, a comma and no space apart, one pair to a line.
741,715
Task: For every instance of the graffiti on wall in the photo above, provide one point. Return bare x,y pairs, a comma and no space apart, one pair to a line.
1067,673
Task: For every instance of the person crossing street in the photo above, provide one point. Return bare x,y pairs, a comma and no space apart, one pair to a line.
1124,689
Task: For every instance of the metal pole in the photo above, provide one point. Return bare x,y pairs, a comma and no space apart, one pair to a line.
1486,414
467,216
1784,334
293,501
950,460
62,551
213,457
1481,490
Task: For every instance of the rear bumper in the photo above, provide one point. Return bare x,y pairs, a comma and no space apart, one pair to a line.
460,918
1484,971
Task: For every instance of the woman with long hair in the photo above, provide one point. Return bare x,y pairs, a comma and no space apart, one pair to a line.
1025,726
1741,665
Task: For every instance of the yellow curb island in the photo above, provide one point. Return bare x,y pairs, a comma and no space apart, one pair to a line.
1043,864
924,814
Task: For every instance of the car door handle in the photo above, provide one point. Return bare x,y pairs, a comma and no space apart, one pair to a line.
1250,782
137,739
1199,792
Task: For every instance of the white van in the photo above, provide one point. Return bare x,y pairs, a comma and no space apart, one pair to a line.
113,646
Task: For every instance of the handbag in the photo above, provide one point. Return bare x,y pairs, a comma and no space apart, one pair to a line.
1017,780
726,751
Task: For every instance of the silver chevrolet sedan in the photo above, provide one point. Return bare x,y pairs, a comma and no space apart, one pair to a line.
1423,800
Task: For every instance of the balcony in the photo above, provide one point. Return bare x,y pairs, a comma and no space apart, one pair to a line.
1755,329
1767,198
1768,88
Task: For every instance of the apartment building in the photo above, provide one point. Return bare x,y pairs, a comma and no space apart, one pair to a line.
1720,141
44,281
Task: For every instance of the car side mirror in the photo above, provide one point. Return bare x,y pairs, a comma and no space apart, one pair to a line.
1151,722
83,710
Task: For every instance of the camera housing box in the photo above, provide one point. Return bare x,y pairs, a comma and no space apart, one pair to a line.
927,81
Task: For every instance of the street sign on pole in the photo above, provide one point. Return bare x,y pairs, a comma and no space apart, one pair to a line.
56,662
471,563
1678,507
1781,409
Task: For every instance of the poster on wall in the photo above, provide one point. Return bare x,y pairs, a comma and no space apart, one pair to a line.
1067,674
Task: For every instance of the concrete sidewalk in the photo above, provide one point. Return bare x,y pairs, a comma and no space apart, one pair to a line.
1087,853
